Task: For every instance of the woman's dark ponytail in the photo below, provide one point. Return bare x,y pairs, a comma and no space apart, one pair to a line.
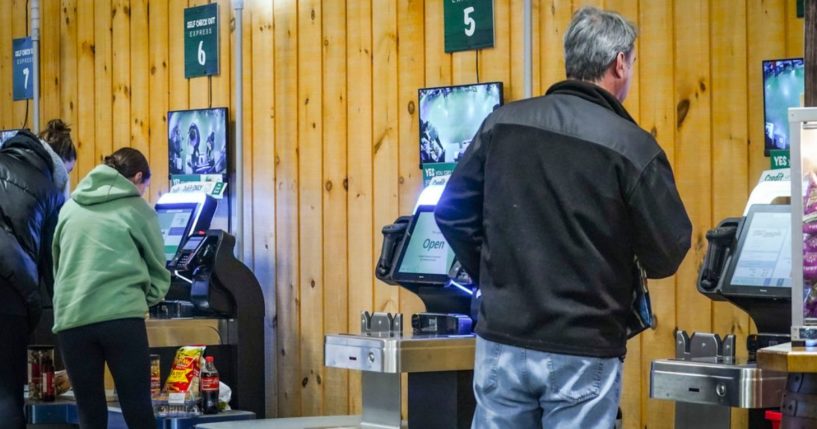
128,161
58,135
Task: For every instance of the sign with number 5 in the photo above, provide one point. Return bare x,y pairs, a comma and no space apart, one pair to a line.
469,24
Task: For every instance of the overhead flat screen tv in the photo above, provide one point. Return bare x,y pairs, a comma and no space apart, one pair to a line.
197,141
761,264
451,115
783,85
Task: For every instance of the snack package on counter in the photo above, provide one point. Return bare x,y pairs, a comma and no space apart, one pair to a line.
181,391
810,300
224,396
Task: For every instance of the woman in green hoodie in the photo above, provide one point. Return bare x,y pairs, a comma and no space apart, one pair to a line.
110,266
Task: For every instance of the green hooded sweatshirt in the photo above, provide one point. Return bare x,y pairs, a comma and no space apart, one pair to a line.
108,250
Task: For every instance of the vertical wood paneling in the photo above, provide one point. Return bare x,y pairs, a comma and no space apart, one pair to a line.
657,108
19,28
438,63
84,130
555,17
260,147
220,85
68,65
310,173
6,89
692,157
49,70
495,64
335,241
158,82
139,85
795,43
385,132
121,72
359,155
179,88
103,66
285,16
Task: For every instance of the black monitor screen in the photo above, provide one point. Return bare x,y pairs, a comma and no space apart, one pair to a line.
451,115
761,265
174,223
197,141
783,85
425,256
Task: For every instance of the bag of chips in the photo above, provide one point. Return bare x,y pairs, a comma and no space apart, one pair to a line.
182,385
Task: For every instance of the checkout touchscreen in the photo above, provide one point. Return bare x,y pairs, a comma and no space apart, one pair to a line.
175,224
761,265
425,255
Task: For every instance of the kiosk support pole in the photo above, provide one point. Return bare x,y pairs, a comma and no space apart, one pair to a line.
238,7
35,68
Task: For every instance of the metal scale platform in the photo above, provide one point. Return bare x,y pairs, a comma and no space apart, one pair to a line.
707,381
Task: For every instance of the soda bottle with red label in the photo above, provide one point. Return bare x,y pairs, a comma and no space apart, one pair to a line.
209,387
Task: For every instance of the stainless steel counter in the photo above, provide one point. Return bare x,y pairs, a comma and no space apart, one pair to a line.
182,332
394,355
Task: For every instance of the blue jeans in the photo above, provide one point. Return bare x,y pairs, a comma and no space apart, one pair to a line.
518,388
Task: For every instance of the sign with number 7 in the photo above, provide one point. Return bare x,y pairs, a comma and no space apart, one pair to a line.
22,62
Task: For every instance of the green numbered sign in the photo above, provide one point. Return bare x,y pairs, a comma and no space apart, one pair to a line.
469,24
201,40
22,61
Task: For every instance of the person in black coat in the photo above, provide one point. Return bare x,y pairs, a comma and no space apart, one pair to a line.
33,180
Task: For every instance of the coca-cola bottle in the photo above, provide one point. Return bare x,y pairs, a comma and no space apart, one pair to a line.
209,387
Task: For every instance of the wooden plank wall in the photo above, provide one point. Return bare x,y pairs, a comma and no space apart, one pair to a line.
330,131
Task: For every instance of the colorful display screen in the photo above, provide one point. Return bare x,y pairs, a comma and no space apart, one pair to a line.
426,253
451,115
783,86
174,223
197,141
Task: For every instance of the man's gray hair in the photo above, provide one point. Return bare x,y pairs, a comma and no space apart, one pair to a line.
593,40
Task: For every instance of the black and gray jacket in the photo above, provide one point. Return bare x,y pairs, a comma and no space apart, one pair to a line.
31,195
547,209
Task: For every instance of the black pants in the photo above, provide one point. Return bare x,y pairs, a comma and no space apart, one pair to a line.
123,344
13,341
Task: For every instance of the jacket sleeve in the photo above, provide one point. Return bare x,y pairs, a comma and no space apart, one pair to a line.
661,226
152,247
459,210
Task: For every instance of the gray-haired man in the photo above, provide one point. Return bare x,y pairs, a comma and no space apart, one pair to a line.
549,206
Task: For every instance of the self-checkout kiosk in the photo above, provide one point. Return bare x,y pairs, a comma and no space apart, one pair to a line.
748,263
214,299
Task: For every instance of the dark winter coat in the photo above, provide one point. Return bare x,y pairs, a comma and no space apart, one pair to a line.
29,204
550,204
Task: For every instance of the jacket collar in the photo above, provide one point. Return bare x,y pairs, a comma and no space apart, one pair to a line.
592,93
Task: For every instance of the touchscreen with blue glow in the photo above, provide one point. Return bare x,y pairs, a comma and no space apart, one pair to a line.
765,257
174,224
427,251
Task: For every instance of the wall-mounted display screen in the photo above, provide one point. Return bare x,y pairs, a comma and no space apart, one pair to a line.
197,141
783,85
451,115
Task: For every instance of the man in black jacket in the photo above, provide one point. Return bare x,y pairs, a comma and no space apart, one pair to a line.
32,180
547,210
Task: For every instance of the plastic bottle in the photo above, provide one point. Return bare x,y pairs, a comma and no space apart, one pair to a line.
209,387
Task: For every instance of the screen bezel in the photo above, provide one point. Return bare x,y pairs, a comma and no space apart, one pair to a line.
227,145
766,149
420,113
440,280
190,221
730,289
